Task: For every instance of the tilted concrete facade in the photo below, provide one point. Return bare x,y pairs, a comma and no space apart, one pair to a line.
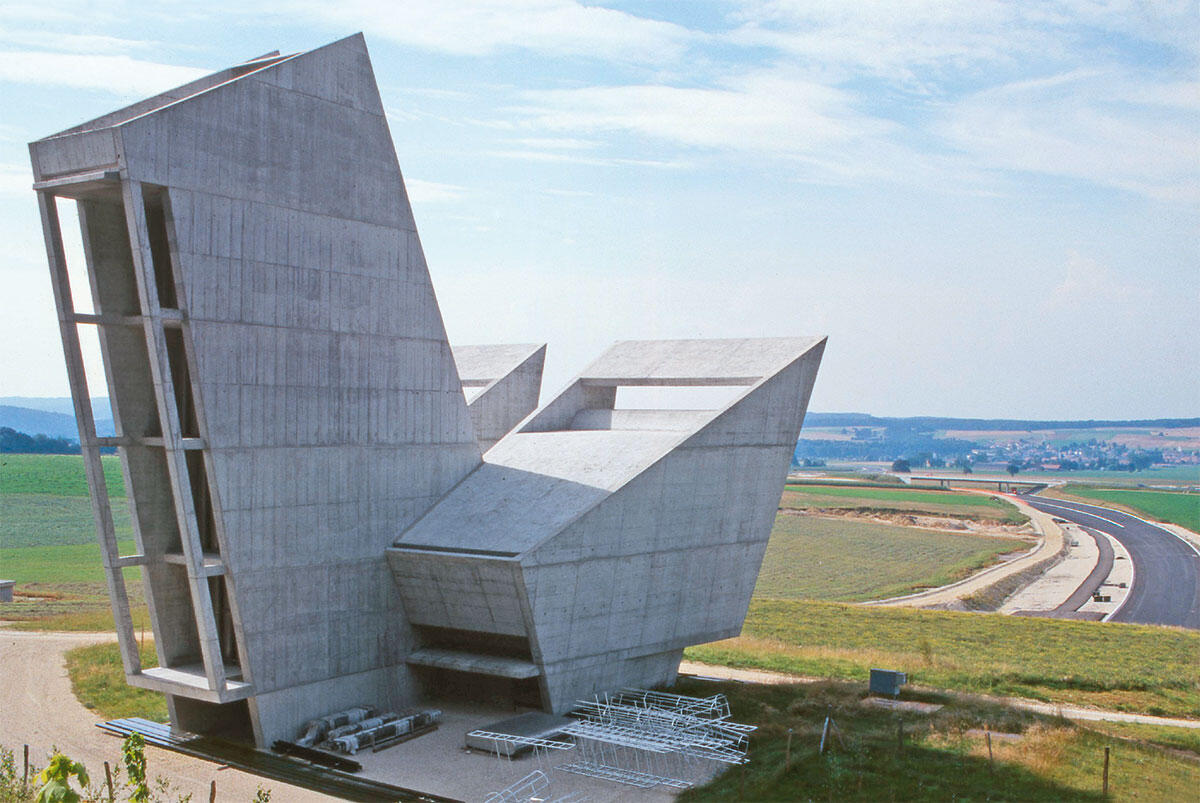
296,440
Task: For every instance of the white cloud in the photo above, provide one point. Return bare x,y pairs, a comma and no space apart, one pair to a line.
919,42
574,157
483,27
16,180
767,111
428,192
1088,286
75,43
1100,127
118,74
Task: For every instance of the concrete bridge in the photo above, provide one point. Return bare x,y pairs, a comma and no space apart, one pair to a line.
1004,484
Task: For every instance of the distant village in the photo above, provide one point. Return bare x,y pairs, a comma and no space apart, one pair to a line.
921,446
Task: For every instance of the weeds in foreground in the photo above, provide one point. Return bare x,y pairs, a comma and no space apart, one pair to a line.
65,780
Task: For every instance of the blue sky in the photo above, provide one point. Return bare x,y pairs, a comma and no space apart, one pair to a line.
992,209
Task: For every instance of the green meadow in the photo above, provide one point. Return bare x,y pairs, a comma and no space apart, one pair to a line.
1176,507
1137,668
48,543
849,560
914,501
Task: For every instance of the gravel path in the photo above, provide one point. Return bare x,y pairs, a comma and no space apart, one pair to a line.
1073,712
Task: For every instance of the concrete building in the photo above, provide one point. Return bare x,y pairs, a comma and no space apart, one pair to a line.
316,523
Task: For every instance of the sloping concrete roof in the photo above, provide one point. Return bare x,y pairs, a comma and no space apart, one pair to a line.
535,481
531,485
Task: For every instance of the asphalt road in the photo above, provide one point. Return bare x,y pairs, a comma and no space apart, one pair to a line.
1166,578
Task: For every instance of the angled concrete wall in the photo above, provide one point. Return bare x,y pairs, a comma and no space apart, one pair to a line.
501,384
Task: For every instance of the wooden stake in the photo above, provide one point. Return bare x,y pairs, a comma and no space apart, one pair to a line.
212,793
1106,772
787,755
25,774
108,782
991,763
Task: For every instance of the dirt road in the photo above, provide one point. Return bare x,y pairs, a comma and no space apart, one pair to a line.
37,708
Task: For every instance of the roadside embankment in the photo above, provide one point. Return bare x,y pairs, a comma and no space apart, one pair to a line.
987,590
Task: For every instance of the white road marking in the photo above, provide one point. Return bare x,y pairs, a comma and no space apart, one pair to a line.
1084,512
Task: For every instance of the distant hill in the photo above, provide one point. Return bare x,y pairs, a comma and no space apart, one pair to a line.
59,404
32,421
985,424
55,418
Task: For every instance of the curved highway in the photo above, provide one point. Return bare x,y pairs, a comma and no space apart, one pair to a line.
1166,578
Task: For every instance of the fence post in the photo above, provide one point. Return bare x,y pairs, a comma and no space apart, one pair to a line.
1106,772
25,773
991,763
108,782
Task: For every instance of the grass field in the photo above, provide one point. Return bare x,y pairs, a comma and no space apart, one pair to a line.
98,680
850,560
944,754
1124,667
929,502
55,474
41,520
64,588
1176,507
48,544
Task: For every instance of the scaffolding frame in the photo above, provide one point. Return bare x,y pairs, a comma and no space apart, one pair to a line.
533,784
646,738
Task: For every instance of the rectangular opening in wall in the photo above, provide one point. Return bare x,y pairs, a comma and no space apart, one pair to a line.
229,721
97,378
134,594
202,499
453,685
181,379
670,397
72,241
477,643
154,199
223,615
114,287
176,617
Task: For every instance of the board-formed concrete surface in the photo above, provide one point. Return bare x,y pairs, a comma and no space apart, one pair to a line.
501,385
298,447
